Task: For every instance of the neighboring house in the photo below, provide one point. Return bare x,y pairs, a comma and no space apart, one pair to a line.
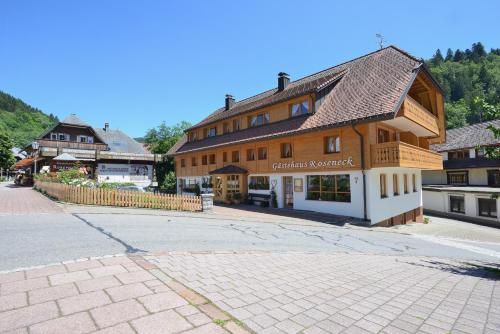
106,155
469,184
350,140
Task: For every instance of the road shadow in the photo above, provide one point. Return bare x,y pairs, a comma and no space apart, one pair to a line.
297,214
486,270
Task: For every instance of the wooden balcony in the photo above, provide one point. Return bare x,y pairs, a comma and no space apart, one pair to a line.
71,144
400,154
416,113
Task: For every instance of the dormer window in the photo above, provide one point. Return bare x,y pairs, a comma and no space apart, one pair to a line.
299,109
53,136
85,139
225,128
192,136
258,120
63,136
236,125
212,132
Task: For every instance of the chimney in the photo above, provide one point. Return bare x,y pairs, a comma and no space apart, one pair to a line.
229,101
106,126
283,81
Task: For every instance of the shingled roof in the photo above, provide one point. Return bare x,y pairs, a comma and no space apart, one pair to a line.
369,87
468,137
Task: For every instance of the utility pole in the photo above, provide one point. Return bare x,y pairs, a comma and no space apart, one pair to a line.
381,40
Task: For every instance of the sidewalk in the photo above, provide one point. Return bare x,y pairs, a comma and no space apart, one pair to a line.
112,295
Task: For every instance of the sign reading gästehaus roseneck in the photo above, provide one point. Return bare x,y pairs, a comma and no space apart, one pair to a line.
314,164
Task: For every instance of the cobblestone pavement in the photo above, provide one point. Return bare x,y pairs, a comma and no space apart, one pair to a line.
112,295
23,200
339,292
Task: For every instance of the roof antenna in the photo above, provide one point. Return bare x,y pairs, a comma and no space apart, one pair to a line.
381,40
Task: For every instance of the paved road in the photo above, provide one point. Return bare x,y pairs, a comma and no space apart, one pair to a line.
67,232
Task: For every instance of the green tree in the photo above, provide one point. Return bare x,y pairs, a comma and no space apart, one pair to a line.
449,55
457,114
437,59
7,158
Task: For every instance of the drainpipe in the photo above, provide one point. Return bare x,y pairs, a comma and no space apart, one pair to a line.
362,147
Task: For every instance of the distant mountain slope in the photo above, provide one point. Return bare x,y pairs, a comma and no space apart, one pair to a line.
21,121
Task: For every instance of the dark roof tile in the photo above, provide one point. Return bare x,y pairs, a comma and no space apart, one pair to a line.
468,137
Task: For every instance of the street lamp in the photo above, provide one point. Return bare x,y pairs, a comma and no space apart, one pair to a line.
35,145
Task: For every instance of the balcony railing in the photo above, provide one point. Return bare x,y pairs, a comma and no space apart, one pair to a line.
415,112
400,154
70,144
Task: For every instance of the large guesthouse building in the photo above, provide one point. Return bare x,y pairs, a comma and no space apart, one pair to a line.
350,140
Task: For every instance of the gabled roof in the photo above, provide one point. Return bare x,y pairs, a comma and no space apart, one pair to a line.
72,119
371,87
120,142
468,137
229,169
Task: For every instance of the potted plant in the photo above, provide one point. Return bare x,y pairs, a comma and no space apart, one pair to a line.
237,197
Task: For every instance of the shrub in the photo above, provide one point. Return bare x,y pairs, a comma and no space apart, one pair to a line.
237,197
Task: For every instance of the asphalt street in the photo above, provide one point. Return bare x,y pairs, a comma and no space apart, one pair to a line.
30,238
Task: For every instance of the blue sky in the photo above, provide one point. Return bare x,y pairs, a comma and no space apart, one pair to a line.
135,64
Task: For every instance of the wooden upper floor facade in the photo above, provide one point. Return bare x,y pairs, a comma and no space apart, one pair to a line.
301,138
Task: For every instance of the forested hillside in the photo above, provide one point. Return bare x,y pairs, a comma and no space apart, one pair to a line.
22,122
471,82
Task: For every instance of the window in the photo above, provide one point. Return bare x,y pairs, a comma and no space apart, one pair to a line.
224,156
405,183
458,155
193,161
235,156
414,182
233,184
335,188
383,136
487,207
204,160
298,109
211,159
259,183
183,163
286,150
250,154
85,139
395,184
192,136
383,186
90,140
262,153
212,132
494,178
457,204
458,178
62,136
331,144
53,136
258,120
225,128
236,124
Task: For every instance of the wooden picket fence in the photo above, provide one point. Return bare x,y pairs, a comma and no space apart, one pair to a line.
113,197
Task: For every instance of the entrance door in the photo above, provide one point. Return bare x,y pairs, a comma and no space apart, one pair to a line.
288,191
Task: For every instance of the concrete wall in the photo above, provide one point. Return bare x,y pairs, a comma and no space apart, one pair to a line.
383,208
477,176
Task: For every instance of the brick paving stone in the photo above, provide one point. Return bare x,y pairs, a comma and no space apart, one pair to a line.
192,297
74,324
213,312
17,331
123,328
161,323
13,301
46,271
315,330
134,277
24,285
162,301
83,265
113,314
113,260
59,279
330,326
206,329
107,271
264,320
198,319
83,302
289,326
11,277
97,284
27,315
187,310
52,293
232,327
128,291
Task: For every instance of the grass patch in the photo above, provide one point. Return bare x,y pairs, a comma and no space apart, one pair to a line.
220,322
427,220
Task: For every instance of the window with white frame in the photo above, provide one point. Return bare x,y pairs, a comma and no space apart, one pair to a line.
298,109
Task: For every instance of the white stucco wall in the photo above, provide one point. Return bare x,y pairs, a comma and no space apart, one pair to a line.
439,201
139,174
477,176
383,208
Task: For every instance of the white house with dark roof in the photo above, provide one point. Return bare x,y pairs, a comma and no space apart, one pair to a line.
468,185
107,155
